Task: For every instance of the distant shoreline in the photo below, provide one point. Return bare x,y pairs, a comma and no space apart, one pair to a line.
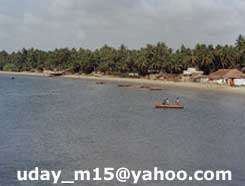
141,81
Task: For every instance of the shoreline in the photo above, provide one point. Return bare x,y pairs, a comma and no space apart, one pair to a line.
141,81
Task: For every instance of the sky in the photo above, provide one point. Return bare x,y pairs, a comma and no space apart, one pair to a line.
50,24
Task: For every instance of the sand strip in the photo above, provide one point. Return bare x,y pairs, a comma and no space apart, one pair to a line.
158,83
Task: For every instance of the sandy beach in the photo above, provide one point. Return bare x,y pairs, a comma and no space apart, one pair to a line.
141,81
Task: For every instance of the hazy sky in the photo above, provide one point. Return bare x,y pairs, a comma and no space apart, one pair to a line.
49,24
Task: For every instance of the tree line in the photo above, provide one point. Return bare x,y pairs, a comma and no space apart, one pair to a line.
157,58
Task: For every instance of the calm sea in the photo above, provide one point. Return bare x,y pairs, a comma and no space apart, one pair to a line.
75,124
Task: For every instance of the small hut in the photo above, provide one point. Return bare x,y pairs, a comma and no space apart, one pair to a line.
199,78
231,77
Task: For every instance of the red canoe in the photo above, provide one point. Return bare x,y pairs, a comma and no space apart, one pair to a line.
170,106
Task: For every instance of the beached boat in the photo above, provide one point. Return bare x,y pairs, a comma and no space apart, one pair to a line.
124,85
144,87
169,106
54,74
100,83
155,89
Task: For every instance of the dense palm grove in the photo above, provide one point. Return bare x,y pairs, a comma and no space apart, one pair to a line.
150,59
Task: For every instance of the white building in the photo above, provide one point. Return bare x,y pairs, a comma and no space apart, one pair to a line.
239,82
191,71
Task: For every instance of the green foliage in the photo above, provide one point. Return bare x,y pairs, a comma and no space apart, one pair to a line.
10,67
147,60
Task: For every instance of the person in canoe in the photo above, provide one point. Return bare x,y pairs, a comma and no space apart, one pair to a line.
166,102
177,101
